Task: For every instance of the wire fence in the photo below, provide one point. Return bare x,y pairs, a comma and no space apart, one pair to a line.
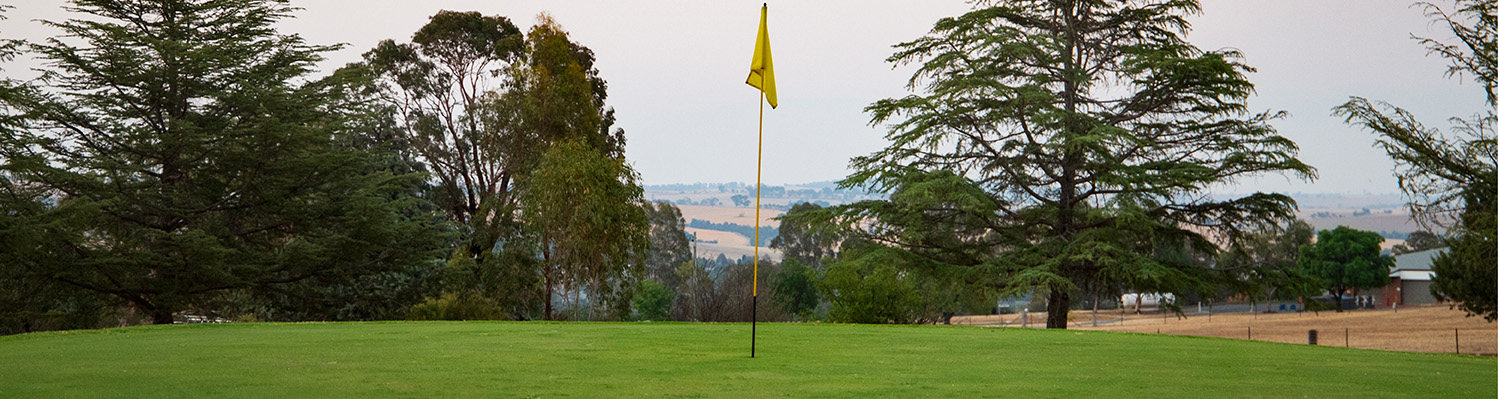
1433,329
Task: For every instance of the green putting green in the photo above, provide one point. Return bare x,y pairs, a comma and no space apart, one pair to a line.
535,359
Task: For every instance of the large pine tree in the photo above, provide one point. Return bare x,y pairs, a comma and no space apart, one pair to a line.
184,151
1066,145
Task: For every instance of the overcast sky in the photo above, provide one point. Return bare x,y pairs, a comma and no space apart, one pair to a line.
676,71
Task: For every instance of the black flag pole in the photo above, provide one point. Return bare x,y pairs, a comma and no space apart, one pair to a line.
758,172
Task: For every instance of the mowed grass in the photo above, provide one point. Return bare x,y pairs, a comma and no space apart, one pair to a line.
499,359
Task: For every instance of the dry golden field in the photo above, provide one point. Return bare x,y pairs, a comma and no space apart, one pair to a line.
732,245
1414,329
723,214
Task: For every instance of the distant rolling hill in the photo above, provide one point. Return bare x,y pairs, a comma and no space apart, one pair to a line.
713,202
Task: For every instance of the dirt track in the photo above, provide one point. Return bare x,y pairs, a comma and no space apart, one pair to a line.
1417,329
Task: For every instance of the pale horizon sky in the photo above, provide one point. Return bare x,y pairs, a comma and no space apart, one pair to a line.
676,69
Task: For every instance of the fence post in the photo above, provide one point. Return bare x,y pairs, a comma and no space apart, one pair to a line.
1250,333
1346,335
1457,332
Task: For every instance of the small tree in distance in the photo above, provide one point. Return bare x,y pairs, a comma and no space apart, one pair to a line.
1346,259
1419,241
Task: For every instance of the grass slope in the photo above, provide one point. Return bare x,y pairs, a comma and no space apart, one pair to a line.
494,359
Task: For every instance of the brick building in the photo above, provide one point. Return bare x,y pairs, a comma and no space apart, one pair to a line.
1409,281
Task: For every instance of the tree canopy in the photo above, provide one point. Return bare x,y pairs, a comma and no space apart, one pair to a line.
585,209
803,243
1419,240
1266,262
1345,259
434,86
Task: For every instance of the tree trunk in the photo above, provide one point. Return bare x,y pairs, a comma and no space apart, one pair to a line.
1338,297
1056,309
1094,307
161,316
547,277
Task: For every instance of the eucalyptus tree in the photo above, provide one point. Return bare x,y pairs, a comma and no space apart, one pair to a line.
669,243
585,209
580,201
1052,141
180,149
1451,178
1265,262
482,102
802,243
435,85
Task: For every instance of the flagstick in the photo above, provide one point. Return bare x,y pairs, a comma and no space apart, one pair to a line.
758,171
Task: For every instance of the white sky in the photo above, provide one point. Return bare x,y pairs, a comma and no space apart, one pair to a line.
676,70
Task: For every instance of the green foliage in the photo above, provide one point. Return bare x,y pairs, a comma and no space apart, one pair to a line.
1346,259
585,209
433,87
869,286
800,242
486,106
508,278
1052,143
653,303
556,95
1468,273
796,289
1265,263
669,246
178,152
30,303
1417,241
452,306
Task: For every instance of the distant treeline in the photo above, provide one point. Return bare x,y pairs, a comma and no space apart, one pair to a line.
808,189
766,233
788,207
1394,234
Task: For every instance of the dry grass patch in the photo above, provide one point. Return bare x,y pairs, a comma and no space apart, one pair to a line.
1413,329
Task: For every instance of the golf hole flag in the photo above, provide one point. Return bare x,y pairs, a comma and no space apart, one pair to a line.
762,77
762,69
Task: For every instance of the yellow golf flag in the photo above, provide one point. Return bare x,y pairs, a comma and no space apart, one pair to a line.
762,70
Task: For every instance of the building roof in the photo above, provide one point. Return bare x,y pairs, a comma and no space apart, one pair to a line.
1416,261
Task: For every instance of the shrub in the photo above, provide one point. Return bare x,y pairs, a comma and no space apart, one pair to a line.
451,306
653,302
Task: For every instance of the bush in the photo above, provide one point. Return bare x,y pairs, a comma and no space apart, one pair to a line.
795,289
451,306
869,288
653,303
